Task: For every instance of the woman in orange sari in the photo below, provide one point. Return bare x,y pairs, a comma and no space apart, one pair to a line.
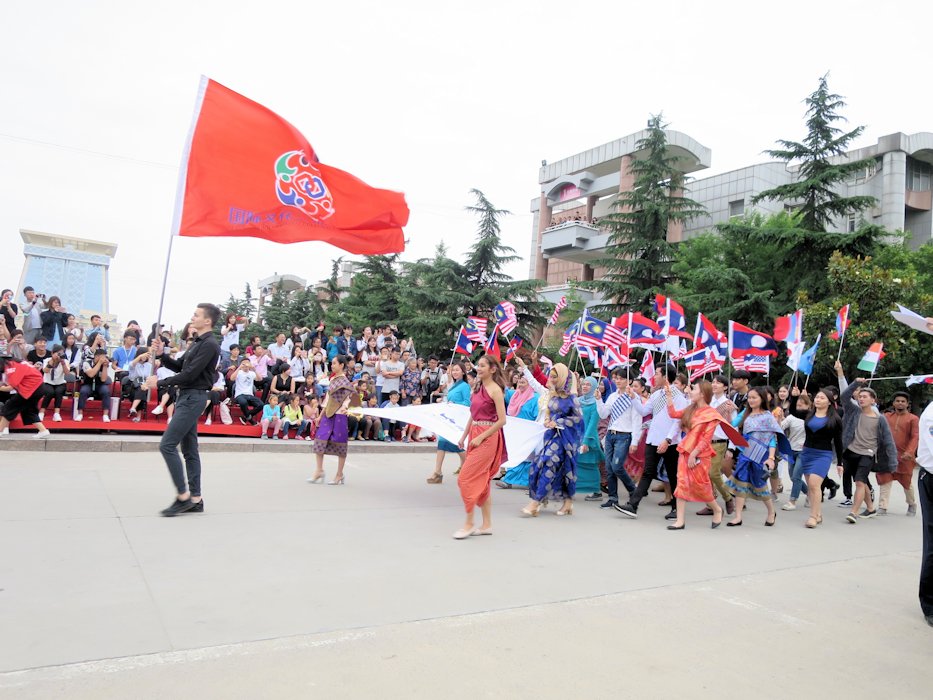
699,421
486,451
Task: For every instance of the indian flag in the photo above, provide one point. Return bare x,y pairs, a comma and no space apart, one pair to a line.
869,363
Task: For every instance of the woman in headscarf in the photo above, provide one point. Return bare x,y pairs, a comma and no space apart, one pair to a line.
554,470
591,451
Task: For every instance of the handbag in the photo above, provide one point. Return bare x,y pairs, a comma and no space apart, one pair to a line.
225,416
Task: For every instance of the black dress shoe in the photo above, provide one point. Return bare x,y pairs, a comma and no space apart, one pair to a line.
929,619
676,527
714,524
671,516
197,507
177,508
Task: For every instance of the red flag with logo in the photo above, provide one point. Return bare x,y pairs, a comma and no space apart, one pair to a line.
248,172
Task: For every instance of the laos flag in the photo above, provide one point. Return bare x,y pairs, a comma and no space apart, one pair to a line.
248,172
747,341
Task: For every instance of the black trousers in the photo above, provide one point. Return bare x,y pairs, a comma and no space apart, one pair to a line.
50,392
925,487
652,460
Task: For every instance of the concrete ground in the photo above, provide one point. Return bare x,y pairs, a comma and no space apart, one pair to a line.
288,590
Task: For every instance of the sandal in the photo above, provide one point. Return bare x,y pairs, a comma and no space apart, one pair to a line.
811,522
435,479
665,503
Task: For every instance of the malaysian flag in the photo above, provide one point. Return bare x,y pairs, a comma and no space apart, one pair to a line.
505,317
596,333
561,305
475,329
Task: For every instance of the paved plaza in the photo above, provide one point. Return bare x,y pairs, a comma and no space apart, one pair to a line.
288,590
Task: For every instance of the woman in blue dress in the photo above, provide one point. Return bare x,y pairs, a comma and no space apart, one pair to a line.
591,451
554,469
458,391
751,476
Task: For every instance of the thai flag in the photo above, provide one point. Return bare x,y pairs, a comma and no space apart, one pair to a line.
475,329
642,331
463,346
492,344
789,329
504,314
591,353
842,322
646,371
569,336
514,344
747,341
561,305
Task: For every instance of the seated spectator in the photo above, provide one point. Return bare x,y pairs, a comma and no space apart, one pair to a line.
131,385
54,384
410,433
363,342
312,413
271,417
152,334
254,342
298,338
332,346
138,331
346,343
39,354
391,371
214,398
123,357
370,426
292,417
232,359
244,392
72,328
73,355
97,328
283,383
261,363
319,370
299,364
167,394
17,346
389,425
279,351
99,342
95,384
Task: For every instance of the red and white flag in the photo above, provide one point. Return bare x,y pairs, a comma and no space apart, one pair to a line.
561,305
248,172
646,371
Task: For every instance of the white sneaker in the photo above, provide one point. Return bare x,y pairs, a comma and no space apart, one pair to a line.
5,432
40,436
208,421
158,410
57,418
106,418
789,506
169,420
79,417
41,416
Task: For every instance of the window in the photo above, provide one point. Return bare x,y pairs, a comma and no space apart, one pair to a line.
862,174
736,208
851,223
918,175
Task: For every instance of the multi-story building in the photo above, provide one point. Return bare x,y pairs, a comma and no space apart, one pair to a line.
576,192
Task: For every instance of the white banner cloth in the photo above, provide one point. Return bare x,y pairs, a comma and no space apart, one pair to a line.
449,421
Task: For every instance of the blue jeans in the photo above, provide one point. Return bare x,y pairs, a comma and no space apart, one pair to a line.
617,447
797,481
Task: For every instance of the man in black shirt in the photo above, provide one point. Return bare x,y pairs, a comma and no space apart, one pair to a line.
196,373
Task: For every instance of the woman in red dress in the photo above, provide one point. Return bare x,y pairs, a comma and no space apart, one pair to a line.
486,451
699,421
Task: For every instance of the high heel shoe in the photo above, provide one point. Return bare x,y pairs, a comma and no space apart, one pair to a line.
569,510
316,479
531,511
337,481
714,524
771,524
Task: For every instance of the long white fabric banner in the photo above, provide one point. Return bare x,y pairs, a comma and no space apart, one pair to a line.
449,421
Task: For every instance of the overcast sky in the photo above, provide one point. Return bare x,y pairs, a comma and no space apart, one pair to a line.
428,98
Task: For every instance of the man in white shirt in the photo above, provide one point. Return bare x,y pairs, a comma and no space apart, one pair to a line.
925,487
663,435
279,350
244,393
391,372
624,430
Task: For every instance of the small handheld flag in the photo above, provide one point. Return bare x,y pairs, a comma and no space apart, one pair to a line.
492,345
463,346
871,358
789,329
807,359
514,344
842,322
475,329
505,317
920,379
561,305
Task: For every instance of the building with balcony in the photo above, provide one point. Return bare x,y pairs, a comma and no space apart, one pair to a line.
576,192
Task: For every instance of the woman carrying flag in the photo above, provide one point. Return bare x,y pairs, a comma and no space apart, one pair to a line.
554,469
458,392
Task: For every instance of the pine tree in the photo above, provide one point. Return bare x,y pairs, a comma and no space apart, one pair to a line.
819,177
374,293
639,256
275,314
483,265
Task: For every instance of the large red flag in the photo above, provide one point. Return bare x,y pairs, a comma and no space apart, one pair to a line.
248,172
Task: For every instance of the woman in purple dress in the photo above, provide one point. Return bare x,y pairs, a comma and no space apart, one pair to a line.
332,433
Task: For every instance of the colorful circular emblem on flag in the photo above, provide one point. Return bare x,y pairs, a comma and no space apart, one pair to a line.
298,184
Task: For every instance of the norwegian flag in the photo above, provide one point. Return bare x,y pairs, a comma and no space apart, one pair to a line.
561,305
789,329
646,371
505,317
475,329
842,322
492,344
514,344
